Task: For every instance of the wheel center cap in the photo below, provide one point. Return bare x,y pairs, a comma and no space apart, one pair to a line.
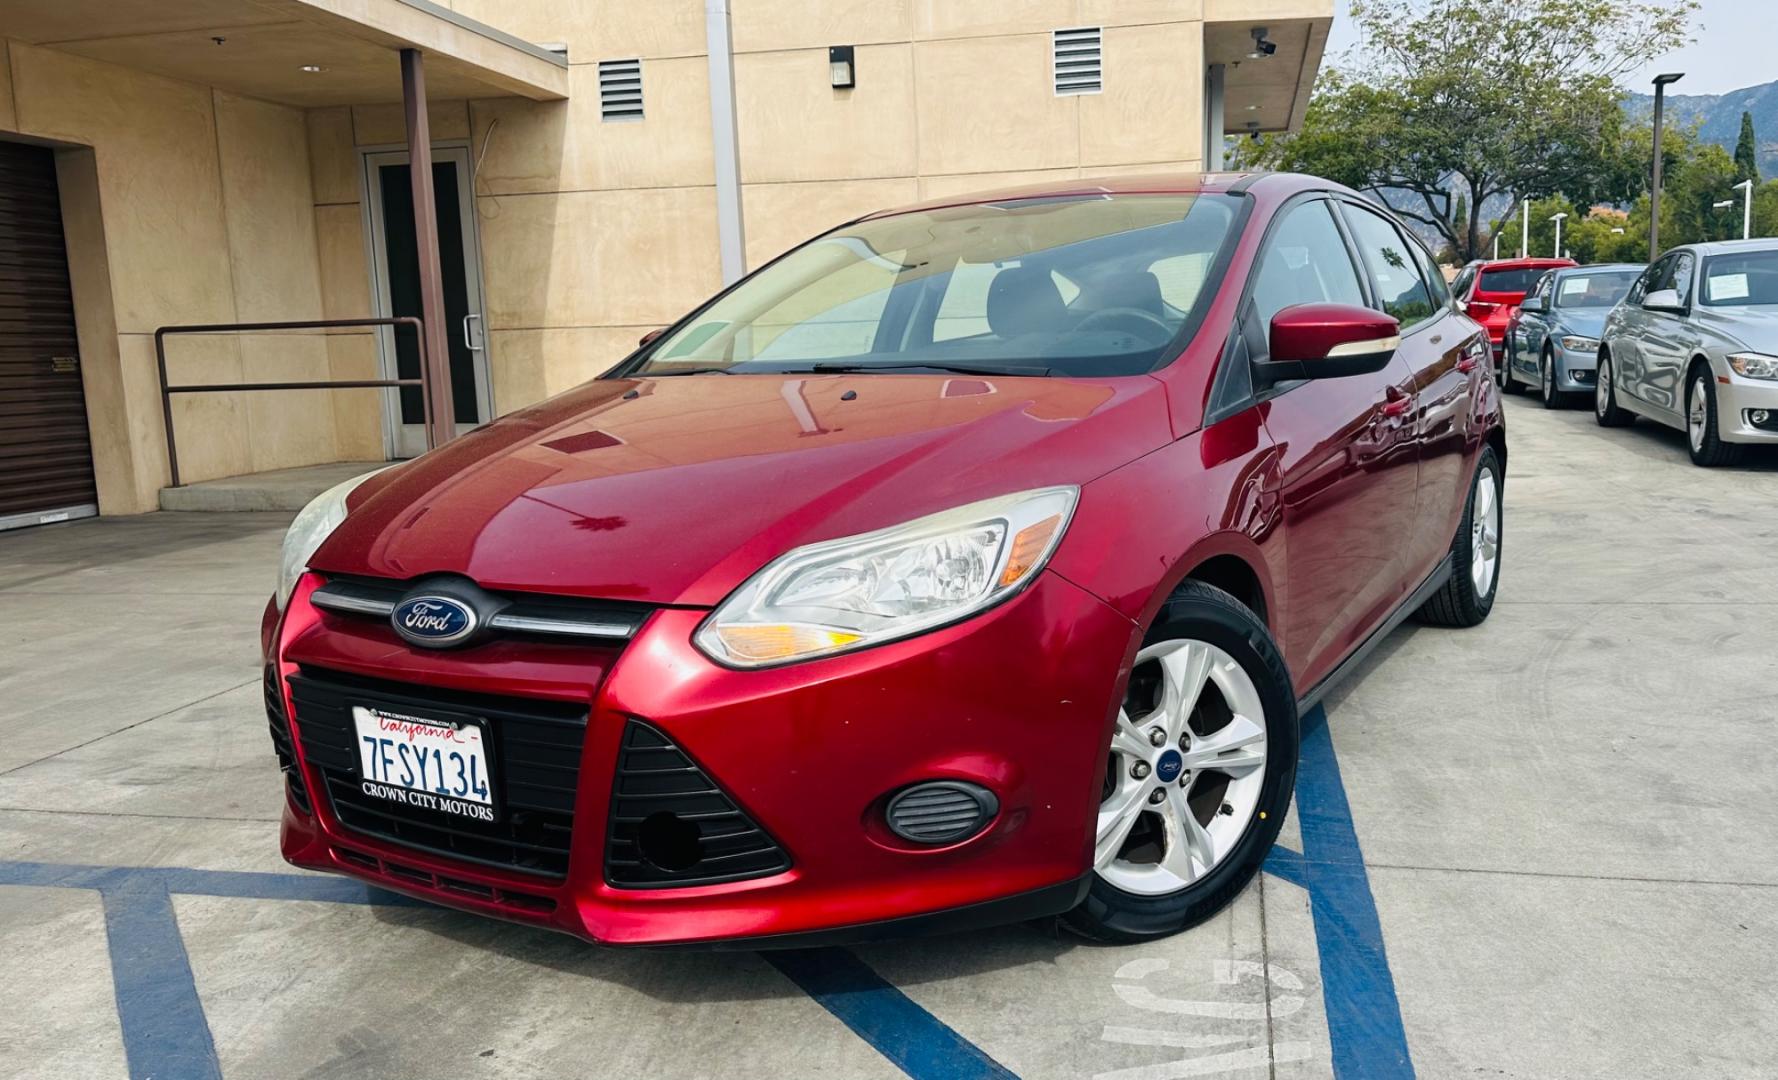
1168,766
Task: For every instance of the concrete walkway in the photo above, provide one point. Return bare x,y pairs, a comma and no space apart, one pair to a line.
280,489
1567,820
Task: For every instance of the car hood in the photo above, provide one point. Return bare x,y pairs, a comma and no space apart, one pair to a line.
1586,322
675,490
1754,327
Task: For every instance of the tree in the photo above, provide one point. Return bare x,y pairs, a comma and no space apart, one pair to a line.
1688,213
1746,151
1479,99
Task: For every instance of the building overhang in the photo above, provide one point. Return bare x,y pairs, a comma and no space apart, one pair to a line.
1272,93
306,53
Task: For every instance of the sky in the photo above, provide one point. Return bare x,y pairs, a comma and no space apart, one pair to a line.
1734,48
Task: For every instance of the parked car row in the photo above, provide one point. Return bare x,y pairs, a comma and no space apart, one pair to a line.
1690,341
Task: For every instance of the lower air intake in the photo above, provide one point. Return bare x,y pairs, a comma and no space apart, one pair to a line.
672,826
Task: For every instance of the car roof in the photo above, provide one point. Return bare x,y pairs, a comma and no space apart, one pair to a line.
1275,186
1729,247
1533,263
1591,268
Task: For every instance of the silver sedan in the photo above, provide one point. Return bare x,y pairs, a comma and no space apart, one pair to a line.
1694,345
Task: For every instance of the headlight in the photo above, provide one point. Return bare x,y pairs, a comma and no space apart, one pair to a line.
313,525
846,594
1754,365
1576,343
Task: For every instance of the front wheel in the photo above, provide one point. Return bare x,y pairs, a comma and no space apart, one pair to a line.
1703,436
1199,772
1468,596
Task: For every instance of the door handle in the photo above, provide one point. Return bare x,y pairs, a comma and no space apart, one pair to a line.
1467,364
468,338
1397,403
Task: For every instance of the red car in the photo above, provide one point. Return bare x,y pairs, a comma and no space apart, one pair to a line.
970,563
1491,291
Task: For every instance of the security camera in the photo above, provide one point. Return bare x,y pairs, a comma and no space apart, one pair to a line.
1262,47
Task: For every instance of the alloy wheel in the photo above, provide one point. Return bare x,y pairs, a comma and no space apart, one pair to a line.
1602,390
1186,770
1549,379
1697,419
1484,533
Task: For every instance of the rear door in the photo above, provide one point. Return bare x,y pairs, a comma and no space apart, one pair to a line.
1349,472
46,459
1444,355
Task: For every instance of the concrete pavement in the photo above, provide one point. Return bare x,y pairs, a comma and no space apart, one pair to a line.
1567,819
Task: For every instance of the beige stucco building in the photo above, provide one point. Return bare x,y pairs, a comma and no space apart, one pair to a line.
237,161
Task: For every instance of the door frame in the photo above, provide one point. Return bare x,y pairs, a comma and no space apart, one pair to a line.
397,442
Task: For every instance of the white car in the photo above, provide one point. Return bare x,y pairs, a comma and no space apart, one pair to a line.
1694,345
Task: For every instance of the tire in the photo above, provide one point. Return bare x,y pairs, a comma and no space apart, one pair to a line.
1551,397
1468,596
1605,407
1508,384
1702,436
1129,901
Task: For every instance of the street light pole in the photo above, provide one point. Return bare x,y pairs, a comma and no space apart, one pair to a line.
1525,231
1654,187
1557,218
1746,187
1496,245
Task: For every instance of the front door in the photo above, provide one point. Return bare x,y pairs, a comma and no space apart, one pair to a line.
396,264
1663,345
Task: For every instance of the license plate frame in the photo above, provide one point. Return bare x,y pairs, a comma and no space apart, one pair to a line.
438,733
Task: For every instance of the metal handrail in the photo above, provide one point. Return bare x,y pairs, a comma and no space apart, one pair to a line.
167,392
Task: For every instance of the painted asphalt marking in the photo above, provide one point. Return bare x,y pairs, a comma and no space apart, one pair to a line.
167,1037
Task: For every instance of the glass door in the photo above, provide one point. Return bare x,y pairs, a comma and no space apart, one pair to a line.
396,266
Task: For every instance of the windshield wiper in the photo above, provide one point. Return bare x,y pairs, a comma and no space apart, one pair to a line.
646,374
925,365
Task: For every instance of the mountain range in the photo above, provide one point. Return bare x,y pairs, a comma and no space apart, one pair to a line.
1719,117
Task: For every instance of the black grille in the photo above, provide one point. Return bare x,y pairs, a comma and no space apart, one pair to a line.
536,763
671,825
274,715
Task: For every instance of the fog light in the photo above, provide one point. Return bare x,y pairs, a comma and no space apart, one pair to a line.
941,811
1758,416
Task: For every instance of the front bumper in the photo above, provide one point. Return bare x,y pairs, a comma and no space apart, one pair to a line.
1018,700
1575,369
1736,397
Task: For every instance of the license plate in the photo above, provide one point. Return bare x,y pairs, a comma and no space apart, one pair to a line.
425,762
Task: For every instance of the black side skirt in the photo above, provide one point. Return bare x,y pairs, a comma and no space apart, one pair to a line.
1433,583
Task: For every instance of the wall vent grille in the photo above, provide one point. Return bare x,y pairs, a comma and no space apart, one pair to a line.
620,90
1079,67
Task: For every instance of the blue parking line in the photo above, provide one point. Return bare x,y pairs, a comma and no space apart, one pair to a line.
166,1035
165,1032
918,1043
1363,1013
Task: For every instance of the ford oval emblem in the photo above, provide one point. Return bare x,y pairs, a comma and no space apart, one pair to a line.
434,621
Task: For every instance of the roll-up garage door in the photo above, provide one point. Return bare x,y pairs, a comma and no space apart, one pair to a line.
46,459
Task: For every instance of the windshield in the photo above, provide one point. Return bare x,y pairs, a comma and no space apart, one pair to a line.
1746,277
1601,290
1079,285
1510,281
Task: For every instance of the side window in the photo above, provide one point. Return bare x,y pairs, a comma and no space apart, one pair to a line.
1305,262
1680,280
1660,275
1400,290
1435,278
1640,287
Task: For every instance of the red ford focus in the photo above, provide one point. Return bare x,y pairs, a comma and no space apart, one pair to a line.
969,563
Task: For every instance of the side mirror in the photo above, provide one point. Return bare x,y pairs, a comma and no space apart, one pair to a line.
1663,300
1532,306
648,338
1328,341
